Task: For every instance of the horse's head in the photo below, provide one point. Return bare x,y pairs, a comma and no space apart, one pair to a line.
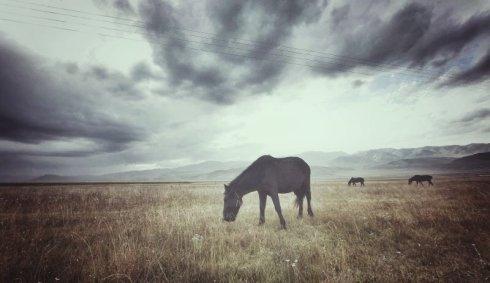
232,203
350,181
410,181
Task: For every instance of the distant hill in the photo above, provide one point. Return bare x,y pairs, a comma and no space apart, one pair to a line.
183,173
209,170
367,158
376,157
6,178
324,172
197,173
472,162
220,175
424,162
320,158
209,166
324,165
50,178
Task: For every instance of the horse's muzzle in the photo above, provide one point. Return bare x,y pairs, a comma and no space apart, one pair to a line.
229,218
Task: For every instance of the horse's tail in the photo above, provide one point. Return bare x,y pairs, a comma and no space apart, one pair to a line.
300,196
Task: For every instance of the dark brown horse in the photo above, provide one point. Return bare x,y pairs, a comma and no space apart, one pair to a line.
269,176
353,181
421,178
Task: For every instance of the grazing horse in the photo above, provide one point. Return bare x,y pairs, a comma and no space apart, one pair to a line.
421,178
355,180
269,176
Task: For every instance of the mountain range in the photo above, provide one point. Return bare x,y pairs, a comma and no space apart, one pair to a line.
324,165
433,154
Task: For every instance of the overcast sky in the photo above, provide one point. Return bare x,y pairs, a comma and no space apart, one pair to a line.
90,87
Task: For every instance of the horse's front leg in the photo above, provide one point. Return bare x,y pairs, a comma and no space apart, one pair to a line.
277,206
263,200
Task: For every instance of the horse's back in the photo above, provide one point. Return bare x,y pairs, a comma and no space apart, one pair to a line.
421,178
289,173
425,177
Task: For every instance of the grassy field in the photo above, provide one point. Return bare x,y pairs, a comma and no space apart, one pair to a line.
386,231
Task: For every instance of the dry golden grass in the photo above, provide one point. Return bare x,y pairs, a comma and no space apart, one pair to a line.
386,231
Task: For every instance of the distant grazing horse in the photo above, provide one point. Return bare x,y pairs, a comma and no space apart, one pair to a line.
355,180
421,178
269,176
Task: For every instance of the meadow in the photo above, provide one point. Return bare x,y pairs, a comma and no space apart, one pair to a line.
172,232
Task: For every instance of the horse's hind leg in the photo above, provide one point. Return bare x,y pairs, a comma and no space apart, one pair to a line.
430,183
307,193
308,200
299,202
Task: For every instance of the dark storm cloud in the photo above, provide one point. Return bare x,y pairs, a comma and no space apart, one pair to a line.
476,116
59,153
389,42
116,82
71,68
358,83
476,121
141,72
264,78
113,82
479,72
99,73
414,36
42,104
122,6
449,38
222,77
338,15
22,168
268,22
175,57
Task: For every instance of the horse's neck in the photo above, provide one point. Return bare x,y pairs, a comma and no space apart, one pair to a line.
245,184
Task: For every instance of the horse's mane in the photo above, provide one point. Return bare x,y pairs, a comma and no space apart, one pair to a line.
252,168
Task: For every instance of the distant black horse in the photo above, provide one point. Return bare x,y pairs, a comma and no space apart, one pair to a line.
269,176
355,180
421,178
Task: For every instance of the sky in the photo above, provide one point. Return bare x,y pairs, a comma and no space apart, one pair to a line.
93,87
